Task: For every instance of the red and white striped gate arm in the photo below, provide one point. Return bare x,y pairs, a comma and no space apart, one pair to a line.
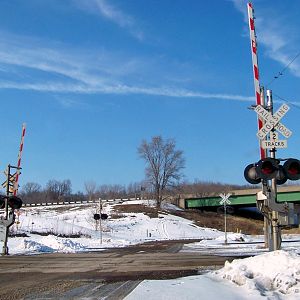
16,186
255,70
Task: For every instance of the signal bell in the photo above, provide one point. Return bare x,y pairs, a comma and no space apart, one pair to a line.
250,174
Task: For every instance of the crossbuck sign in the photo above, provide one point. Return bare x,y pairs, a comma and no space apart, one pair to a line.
272,121
225,201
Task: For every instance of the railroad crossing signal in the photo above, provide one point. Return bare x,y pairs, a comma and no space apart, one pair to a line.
272,121
269,168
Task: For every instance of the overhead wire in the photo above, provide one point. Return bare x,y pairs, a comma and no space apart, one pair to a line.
285,100
283,70
278,76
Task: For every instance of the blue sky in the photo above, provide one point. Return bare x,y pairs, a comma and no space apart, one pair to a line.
92,79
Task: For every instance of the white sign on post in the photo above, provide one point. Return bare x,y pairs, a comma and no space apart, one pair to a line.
225,200
274,144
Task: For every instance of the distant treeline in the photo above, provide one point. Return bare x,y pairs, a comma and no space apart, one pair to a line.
56,190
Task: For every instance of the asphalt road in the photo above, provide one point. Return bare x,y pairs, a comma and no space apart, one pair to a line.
110,274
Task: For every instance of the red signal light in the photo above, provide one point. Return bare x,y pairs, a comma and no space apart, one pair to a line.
267,168
292,169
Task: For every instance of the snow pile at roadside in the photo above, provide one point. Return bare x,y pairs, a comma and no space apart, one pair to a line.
271,273
48,244
29,246
273,276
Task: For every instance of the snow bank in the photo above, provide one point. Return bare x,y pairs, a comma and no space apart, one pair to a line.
271,273
187,288
272,276
46,244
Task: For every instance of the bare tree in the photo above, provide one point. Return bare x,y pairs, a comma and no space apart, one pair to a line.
57,189
31,192
90,188
65,187
108,191
31,187
134,189
163,164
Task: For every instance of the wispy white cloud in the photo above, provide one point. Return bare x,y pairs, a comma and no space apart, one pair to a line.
120,89
58,69
113,14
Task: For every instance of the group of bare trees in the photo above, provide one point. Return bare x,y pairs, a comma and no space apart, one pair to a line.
54,190
112,191
163,175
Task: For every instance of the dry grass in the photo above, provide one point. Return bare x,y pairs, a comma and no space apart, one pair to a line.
214,220
151,212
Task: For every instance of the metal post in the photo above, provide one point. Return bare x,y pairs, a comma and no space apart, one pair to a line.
266,220
275,226
266,232
5,248
225,201
225,220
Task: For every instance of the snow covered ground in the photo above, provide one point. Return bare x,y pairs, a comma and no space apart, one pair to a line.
273,276
72,228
